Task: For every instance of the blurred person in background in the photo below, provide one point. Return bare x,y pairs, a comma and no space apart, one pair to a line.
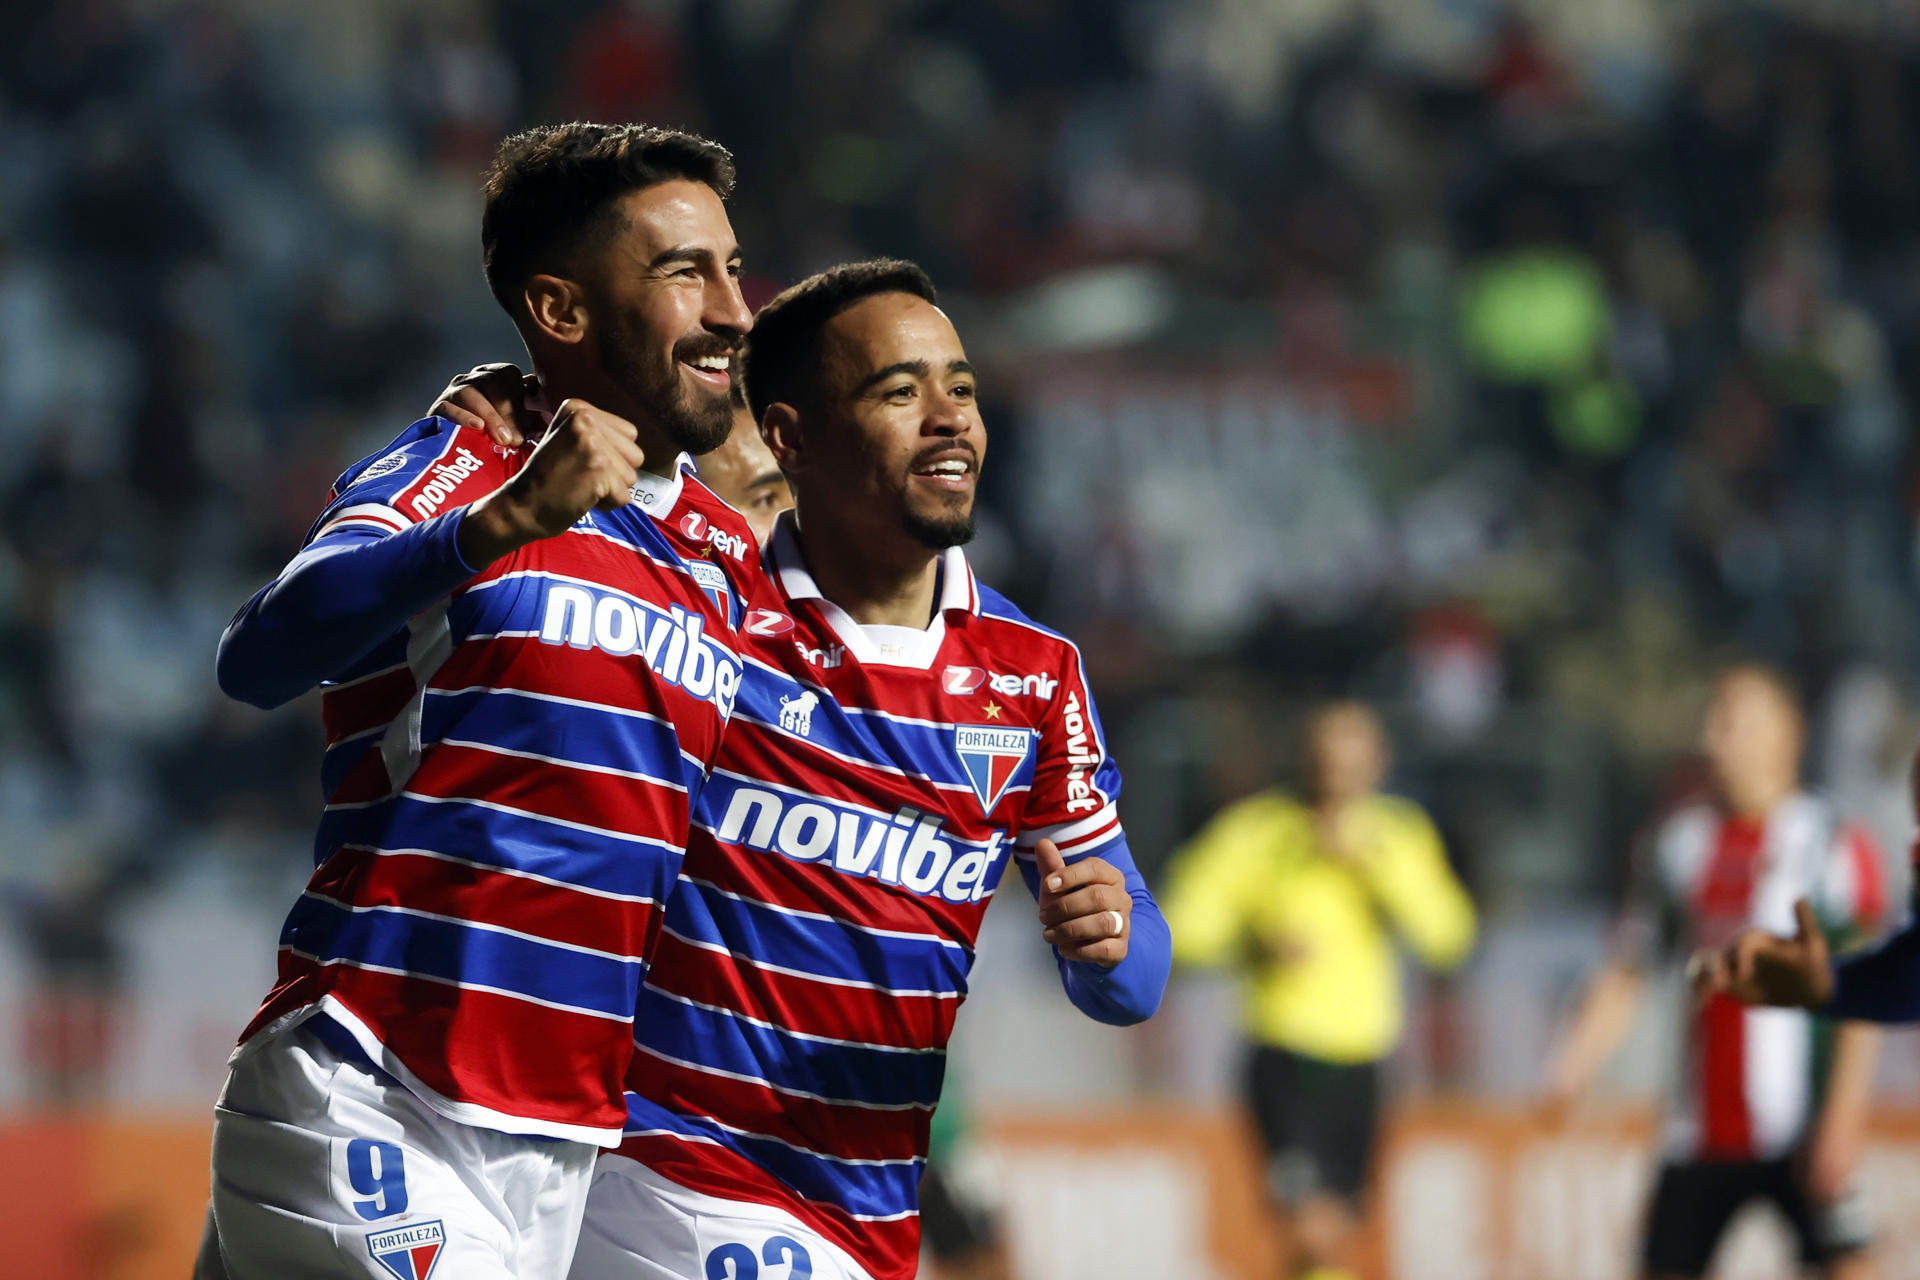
1772,1104
1304,896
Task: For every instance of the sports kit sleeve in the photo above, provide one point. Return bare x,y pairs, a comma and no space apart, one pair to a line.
384,548
1076,787
1410,878
1879,985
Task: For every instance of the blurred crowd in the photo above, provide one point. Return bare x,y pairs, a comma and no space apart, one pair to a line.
1509,365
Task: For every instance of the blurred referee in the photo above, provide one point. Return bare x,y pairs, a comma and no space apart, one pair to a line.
1304,896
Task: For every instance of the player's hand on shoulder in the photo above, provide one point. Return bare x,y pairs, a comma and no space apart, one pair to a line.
587,460
1085,909
490,398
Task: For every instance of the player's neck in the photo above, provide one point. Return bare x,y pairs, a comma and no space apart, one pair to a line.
560,384
874,588
1758,800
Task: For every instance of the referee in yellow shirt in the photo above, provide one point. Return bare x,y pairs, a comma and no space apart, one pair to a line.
1304,898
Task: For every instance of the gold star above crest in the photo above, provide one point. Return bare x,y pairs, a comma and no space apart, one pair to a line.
993,710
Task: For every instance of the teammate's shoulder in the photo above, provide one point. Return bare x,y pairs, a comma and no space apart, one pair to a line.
431,447
703,517
1006,616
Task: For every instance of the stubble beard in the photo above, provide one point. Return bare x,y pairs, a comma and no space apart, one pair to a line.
695,422
939,531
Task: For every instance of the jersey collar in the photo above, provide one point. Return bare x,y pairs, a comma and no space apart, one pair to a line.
956,591
656,494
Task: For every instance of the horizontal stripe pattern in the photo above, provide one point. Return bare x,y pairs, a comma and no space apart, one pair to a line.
505,815
886,1245
782,1048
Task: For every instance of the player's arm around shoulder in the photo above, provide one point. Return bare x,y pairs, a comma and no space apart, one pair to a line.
1112,943
394,538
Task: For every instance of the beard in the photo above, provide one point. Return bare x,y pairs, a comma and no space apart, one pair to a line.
695,421
940,530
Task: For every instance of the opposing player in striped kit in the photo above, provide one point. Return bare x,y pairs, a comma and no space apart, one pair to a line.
902,732
529,655
1772,1103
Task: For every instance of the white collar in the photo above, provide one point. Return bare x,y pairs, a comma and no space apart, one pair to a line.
905,647
657,494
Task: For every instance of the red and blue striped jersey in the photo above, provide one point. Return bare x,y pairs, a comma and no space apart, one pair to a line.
871,791
509,774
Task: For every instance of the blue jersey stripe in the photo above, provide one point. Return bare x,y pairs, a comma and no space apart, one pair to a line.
818,947
924,750
447,949
882,1191
585,735
390,652
568,855
720,1040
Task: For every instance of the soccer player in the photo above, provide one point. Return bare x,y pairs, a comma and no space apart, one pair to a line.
529,655
1761,967
1753,1119
1305,898
902,733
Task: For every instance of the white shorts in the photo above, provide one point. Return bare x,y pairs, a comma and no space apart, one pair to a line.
641,1226
324,1168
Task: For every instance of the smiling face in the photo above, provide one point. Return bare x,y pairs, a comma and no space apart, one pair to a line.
666,313
896,435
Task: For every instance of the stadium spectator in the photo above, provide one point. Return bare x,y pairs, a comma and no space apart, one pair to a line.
1769,1107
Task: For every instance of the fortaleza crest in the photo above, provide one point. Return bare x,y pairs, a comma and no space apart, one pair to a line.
991,756
408,1252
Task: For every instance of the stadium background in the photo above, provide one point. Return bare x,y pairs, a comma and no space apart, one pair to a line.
1508,365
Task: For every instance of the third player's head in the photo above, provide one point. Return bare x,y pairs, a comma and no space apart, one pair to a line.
610,247
865,396
1346,752
742,471
1752,737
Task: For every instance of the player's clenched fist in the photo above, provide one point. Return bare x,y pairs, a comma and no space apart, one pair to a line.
1084,908
587,460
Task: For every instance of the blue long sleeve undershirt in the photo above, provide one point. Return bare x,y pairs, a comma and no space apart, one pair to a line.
1880,985
341,596
1130,991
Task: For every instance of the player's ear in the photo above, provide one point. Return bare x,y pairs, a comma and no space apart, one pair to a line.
557,308
780,429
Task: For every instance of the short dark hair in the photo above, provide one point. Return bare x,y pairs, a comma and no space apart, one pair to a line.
783,351
550,192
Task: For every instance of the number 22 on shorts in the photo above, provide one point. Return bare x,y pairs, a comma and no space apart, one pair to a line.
738,1262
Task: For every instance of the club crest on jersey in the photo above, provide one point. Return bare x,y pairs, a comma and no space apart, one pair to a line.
384,467
796,713
768,623
961,681
991,756
713,580
409,1253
